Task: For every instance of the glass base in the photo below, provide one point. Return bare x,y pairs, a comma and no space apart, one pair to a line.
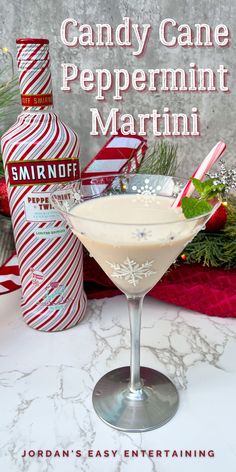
149,408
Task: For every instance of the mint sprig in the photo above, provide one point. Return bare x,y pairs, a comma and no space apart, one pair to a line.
194,207
208,189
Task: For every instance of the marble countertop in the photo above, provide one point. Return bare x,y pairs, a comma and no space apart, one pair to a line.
46,383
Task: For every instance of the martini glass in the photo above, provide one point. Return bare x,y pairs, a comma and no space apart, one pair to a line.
128,225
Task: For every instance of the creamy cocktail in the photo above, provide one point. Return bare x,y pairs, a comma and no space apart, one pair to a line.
131,249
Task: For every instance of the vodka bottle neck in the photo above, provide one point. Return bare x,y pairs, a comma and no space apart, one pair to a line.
34,75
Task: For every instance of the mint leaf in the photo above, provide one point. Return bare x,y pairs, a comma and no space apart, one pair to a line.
214,191
199,186
194,207
208,189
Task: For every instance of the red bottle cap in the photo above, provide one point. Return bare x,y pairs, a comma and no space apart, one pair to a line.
32,41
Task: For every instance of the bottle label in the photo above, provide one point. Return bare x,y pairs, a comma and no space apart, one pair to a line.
39,209
43,172
37,100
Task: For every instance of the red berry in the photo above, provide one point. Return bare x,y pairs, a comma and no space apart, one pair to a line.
4,205
218,220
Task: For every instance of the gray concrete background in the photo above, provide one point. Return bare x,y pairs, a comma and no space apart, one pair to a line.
41,18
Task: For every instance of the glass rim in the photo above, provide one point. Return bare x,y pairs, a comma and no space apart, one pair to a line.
103,176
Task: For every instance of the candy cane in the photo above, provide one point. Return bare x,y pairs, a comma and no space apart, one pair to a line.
201,171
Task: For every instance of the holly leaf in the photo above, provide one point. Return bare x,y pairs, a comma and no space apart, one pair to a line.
193,207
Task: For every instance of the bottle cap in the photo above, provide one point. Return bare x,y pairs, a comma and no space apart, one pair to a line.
32,41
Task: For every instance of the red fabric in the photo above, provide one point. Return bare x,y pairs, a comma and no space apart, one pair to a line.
208,291
9,276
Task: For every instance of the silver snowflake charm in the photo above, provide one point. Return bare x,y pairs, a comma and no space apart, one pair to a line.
142,234
131,271
225,176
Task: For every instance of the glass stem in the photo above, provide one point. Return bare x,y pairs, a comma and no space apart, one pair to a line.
135,311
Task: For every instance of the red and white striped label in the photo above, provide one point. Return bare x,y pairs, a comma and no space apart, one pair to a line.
43,172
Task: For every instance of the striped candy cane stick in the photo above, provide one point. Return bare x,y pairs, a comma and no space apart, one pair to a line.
201,171
121,153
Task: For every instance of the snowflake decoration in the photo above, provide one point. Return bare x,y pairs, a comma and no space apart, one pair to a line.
177,188
225,176
132,271
142,234
77,197
146,189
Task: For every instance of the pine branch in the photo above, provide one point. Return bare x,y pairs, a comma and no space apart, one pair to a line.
160,159
9,98
216,249
207,249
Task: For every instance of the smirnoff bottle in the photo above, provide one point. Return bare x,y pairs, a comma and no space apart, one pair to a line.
39,152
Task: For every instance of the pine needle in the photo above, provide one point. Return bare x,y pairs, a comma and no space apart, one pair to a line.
9,98
161,159
216,249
